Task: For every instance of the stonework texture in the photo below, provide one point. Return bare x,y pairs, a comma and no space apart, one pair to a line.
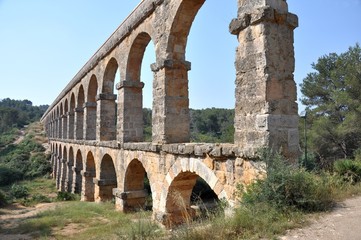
97,137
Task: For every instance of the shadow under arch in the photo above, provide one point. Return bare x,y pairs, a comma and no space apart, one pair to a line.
78,180
137,190
69,174
181,179
89,173
108,179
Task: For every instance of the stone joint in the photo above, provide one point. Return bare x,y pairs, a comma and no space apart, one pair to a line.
129,84
106,96
90,105
171,64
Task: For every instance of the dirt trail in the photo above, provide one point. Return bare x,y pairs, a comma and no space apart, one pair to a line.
14,214
344,222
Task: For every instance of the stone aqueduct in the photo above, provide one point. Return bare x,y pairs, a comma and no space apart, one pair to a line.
97,144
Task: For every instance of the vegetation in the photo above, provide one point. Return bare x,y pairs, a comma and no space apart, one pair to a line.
212,125
17,113
332,97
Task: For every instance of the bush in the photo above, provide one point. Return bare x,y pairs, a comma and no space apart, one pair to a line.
65,196
3,199
349,170
289,187
19,191
9,175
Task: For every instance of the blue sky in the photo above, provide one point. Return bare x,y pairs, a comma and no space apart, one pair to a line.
43,44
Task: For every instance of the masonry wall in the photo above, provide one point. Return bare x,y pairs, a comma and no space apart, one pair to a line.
102,130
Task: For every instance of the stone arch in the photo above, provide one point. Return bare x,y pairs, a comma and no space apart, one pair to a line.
65,119
79,113
130,93
64,169
71,118
180,180
88,189
59,165
109,77
106,106
107,179
134,188
183,19
61,117
77,182
69,175
91,109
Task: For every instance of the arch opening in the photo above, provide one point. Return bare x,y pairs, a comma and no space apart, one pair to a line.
107,105
189,197
91,109
77,183
137,188
108,179
79,114
69,175
88,189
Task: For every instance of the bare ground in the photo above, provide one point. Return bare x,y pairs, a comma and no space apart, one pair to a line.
344,222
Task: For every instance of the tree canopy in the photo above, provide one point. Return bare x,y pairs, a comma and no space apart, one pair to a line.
332,98
17,113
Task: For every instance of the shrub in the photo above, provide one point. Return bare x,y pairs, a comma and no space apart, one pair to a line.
9,175
65,196
19,191
3,199
349,170
289,187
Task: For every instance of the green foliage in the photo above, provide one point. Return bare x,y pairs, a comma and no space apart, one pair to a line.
289,187
3,199
212,125
17,113
333,100
66,196
349,170
19,191
21,161
9,175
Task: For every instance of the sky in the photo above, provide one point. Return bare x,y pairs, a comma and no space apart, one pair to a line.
43,44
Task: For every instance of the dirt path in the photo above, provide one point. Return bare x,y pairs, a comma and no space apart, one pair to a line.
20,137
344,222
14,214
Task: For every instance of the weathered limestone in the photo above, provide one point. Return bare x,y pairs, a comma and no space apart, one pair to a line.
266,108
112,161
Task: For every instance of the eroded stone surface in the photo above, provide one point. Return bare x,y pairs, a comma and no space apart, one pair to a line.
96,134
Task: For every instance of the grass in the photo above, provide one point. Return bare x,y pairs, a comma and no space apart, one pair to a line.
84,220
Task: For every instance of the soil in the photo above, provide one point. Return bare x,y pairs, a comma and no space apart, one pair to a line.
343,222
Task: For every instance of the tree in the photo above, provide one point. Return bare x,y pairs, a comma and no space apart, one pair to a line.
333,103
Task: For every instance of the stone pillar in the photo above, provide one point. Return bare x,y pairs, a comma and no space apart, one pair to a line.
90,114
63,169
87,191
71,124
64,123
79,121
106,118
77,180
69,178
104,189
170,118
266,108
58,172
130,111
130,200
